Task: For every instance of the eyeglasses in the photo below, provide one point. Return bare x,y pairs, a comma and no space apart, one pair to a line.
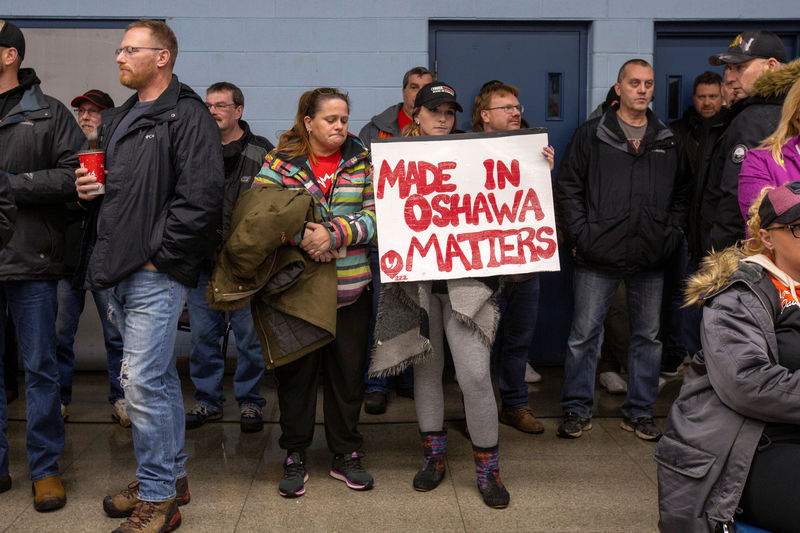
131,50
509,108
80,112
791,227
219,106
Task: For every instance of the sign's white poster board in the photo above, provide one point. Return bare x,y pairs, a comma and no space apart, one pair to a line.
462,206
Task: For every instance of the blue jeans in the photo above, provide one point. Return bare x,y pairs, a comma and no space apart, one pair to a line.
594,291
519,304
146,306
70,306
32,306
206,360
682,323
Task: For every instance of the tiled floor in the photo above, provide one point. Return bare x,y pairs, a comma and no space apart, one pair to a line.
602,482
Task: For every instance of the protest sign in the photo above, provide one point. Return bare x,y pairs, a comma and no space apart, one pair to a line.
462,206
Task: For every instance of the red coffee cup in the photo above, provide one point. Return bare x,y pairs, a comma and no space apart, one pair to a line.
92,160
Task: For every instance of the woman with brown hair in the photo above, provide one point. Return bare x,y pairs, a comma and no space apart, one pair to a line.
317,154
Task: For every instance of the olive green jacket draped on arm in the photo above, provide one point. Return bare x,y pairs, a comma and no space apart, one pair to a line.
293,298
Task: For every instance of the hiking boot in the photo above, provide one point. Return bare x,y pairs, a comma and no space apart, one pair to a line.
199,415
375,402
123,503
5,483
434,445
487,467
522,419
155,517
293,482
348,468
531,375
250,419
613,383
119,413
643,426
573,426
48,494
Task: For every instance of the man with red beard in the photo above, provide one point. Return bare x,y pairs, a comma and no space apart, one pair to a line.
163,194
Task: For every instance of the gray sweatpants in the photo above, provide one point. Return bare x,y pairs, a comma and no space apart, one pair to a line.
471,359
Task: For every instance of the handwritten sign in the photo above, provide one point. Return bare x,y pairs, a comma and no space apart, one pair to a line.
461,206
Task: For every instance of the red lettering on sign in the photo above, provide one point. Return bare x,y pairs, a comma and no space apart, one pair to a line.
551,244
531,203
392,177
480,206
441,186
504,211
489,166
511,176
415,245
422,222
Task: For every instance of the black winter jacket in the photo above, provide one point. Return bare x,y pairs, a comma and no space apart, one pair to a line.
623,211
163,190
752,120
39,139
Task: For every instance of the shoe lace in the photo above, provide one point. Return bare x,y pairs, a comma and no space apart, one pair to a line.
142,514
572,417
293,467
250,412
133,487
352,463
199,410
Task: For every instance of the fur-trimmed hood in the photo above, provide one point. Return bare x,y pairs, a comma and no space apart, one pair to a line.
714,274
776,83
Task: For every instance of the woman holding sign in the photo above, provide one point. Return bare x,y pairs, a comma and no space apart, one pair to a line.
462,309
318,154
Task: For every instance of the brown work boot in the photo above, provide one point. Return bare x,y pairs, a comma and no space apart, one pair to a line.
522,419
48,494
122,503
155,517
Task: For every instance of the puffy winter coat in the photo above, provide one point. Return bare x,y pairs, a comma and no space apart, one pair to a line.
760,170
734,385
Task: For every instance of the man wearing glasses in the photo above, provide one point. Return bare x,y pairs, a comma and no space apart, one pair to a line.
243,154
38,144
71,298
163,193
497,108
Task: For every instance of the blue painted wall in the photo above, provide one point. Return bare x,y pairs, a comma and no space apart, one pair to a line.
275,49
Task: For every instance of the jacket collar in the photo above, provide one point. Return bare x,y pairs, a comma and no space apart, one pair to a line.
610,132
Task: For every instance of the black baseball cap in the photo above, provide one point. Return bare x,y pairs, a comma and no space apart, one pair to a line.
781,205
750,45
11,37
96,97
435,94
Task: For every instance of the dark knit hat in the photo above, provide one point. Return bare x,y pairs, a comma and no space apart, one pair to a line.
11,37
781,205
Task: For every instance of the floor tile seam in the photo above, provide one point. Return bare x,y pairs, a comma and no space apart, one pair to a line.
257,469
451,480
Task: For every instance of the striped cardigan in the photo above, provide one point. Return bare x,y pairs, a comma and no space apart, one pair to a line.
349,214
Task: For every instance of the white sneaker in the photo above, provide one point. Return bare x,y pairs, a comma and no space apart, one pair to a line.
120,414
613,383
531,375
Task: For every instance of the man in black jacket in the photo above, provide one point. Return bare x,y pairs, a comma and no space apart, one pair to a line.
752,54
243,154
621,196
38,143
163,193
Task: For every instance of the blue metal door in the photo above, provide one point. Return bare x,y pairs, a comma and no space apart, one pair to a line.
547,62
682,51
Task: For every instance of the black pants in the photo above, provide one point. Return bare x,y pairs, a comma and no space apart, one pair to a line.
770,499
343,363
